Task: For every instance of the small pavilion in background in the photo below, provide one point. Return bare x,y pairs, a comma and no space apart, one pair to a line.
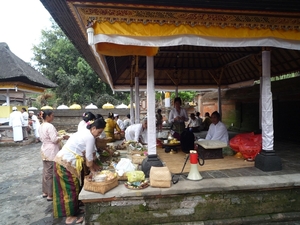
17,79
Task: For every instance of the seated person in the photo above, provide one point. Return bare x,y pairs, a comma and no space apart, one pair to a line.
217,130
193,124
137,132
200,120
207,121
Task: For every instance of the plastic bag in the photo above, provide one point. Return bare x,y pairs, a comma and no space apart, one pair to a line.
134,176
125,165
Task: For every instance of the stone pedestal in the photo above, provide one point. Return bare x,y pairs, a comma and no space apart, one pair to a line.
268,161
151,160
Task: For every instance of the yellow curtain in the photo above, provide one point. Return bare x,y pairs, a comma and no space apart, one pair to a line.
110,49
156,30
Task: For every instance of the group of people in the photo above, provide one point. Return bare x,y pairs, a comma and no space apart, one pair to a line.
63,168
216,130
197,124
22,123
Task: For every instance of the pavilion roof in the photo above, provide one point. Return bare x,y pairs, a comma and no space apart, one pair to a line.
188,66
14,69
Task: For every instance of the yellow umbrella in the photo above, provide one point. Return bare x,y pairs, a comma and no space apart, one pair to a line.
108,106
46,107
75,106
133,106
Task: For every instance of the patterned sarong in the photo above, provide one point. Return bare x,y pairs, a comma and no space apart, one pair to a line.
66,189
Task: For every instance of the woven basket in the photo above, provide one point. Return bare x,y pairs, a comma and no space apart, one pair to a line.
138,159
123,178
133,152
101,143
100,187
117,136
160,177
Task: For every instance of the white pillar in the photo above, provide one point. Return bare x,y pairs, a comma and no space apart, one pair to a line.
151,130
137,100
131,106
260,89
266,104
7,98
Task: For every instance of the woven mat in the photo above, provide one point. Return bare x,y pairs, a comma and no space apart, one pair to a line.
175,162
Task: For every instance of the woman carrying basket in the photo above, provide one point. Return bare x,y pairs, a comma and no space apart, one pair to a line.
68,170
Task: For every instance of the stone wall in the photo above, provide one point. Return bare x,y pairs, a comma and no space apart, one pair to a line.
256,207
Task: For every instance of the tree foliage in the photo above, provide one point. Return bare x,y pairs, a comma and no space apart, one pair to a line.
60,61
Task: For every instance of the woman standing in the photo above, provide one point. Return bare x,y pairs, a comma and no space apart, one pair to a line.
68,170
49,149
110,127
177,118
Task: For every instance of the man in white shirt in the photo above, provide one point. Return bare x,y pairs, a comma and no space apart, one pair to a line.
137,132
217,130
25,124
193,123
35,126
16,121
119,121
127,122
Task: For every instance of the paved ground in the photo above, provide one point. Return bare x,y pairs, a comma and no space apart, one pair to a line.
21,171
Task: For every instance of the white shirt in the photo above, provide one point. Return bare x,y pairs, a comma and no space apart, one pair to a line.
126,123
193,123
25,118
79,142
16,119
82,125
217,132
35,122
173,114
134,132
120,124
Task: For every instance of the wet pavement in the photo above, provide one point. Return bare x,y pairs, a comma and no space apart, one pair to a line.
21,199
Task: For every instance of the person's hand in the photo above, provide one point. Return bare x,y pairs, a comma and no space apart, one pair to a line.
95,167
66,137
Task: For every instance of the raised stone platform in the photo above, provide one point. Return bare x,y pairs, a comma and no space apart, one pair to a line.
195,201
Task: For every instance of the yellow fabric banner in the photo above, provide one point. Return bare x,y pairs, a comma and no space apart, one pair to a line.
156,30
110,49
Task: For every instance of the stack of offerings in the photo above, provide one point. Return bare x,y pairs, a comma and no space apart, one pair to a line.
136,180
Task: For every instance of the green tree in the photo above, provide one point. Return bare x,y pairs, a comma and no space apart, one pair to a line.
60,61
186,96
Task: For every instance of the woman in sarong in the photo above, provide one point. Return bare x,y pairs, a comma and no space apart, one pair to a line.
68,168
49,149
178,117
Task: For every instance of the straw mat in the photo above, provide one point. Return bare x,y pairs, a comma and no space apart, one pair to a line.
175,162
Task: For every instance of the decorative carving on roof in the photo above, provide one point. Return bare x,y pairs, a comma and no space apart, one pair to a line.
195,18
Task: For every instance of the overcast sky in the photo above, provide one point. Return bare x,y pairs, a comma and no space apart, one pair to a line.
21,22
